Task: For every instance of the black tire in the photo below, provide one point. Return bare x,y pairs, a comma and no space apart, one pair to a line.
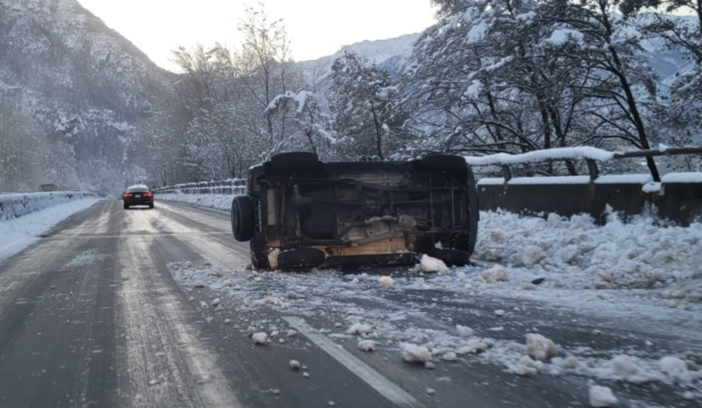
293,161
451,257
444,162
126,207
305,258
151,205
242,218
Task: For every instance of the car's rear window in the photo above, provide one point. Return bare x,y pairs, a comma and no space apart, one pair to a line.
139,189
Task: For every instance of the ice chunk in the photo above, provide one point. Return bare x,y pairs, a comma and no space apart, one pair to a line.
449,356
199,284
292,333
672,365
473,346
497,273
386,282
602,397
415,354
539,347
465,332
359,328
625,366
430,265
294,364
260,338
461,276
366,345
532,255
215,302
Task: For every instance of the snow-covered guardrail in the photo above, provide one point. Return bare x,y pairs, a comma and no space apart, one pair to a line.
221,187
14,205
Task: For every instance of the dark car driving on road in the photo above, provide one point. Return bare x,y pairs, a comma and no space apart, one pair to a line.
138,195
300,212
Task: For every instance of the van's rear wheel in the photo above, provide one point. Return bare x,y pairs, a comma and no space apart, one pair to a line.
242,218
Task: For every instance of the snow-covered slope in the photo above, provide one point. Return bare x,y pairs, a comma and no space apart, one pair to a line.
391,54
80,82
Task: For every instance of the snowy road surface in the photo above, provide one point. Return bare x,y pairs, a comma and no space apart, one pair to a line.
156,308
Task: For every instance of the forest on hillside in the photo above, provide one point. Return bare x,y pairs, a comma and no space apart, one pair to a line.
491,76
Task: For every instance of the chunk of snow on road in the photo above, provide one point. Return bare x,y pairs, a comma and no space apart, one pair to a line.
260,338
306,375
473,346
672,366
431,391
602,397
415,354
199,284
449,356
386,282
464,331
294,364
359,328
432,265
497,273
625,366
499,312
215,302
539,347
366,345
292,333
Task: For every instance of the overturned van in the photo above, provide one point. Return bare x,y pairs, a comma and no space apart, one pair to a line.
301,213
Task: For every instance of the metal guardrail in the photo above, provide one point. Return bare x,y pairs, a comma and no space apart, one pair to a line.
224,187
593,168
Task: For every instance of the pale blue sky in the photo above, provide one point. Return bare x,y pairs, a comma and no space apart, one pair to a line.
316,27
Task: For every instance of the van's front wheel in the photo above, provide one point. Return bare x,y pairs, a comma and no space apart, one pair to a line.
242,218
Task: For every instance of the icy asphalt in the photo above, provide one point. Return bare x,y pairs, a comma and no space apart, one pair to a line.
155,308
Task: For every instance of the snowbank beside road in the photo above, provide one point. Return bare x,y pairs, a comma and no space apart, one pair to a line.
216,201
20,204
19,233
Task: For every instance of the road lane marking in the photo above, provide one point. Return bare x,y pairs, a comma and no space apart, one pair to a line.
385,387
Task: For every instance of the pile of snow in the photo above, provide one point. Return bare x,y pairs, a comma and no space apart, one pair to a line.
602,397
17,205
413,353
260,338
497,273
216,201
465,332
359,328
19,233
386,282
432,265
575,253
366,345
540,348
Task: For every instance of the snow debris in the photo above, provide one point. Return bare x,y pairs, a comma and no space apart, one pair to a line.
602,397
625,366
386,282
306,375
366,345
215,302
359,328
252,329
464,331
415,354
431,391
461,276
260,338
199,284
429,365
292,333
473,346
499,312
570,363
227,321
497,273
672,366
526,367
355,281
275,391
332,403
539,347
432,265
449,356
294,364
532,255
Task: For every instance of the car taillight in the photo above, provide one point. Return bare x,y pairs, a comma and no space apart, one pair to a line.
147,194
128,194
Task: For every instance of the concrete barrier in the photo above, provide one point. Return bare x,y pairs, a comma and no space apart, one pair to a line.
678,197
